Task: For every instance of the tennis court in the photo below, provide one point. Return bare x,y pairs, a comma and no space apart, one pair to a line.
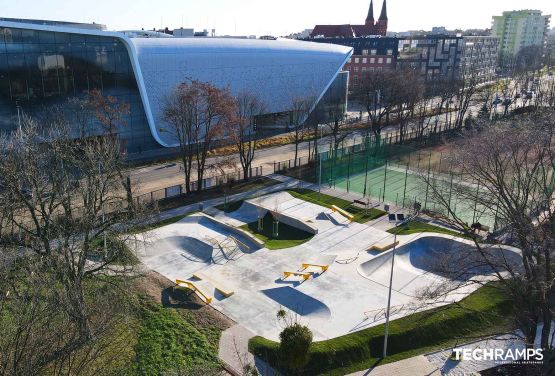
386,177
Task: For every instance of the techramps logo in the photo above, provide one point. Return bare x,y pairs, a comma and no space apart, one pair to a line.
499,356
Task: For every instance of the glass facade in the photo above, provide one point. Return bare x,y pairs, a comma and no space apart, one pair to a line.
39,69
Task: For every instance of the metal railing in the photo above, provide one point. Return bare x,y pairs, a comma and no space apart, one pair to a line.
207,183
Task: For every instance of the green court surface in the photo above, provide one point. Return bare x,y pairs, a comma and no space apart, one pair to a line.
401,186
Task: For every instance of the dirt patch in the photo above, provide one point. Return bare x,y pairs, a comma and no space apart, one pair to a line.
162,291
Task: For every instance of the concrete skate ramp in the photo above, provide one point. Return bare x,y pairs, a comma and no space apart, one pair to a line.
193,249
225,230
298,302
286,208
431,258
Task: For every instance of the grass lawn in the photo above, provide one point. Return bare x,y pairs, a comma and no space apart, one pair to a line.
414,227
288,236
327,201
167,343
487,311
217,192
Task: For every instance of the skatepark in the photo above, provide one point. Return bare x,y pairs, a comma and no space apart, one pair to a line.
335,283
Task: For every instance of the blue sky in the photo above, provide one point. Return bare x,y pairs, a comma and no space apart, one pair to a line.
277,17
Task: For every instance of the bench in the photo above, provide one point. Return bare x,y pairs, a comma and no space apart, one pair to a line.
226,293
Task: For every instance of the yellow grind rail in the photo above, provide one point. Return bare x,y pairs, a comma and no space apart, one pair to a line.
191,286
298,274
323,267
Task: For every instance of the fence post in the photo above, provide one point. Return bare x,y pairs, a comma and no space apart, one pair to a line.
384,180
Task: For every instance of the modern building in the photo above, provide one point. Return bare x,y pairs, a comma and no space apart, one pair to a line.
48,63
370,27
435,56
518,29
479,58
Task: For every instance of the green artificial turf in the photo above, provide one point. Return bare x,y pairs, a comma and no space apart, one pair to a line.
360,215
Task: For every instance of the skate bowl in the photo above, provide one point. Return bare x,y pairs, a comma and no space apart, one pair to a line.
431,259
302,304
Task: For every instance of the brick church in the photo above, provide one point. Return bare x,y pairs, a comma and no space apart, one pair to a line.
369,28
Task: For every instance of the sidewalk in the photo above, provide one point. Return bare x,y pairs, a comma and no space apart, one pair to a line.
416,366
233,350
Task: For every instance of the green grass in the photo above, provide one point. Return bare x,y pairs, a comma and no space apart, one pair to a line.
288,236
166,342
360,215
487,311
414,227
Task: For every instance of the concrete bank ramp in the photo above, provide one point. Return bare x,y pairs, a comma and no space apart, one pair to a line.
298,302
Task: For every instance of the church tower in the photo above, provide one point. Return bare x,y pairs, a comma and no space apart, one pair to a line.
381,25
370,17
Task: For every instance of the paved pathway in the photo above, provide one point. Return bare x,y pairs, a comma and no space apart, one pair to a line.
416,366
233,351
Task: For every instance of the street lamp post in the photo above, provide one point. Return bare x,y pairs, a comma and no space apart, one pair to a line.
18,114
320,172
391,285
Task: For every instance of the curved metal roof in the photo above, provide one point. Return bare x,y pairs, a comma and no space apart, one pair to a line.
277,71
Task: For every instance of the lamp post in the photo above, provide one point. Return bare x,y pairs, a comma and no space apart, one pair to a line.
18,114
320,172
391,283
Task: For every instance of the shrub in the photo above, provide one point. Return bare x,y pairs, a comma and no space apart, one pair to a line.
295,342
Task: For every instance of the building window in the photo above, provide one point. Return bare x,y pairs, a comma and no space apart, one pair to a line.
364,69
357,60
390,52
374,52
356,69
388,60
364,60
365,52
380,60
372,60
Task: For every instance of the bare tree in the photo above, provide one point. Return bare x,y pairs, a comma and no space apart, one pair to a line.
506,173
300,108
378,92
198,114
243,129
61,200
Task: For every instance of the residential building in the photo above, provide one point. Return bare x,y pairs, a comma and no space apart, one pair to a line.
48,63
370,27
518,29
435,56
479,58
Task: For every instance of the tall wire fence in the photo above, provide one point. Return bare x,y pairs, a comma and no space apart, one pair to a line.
401,172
